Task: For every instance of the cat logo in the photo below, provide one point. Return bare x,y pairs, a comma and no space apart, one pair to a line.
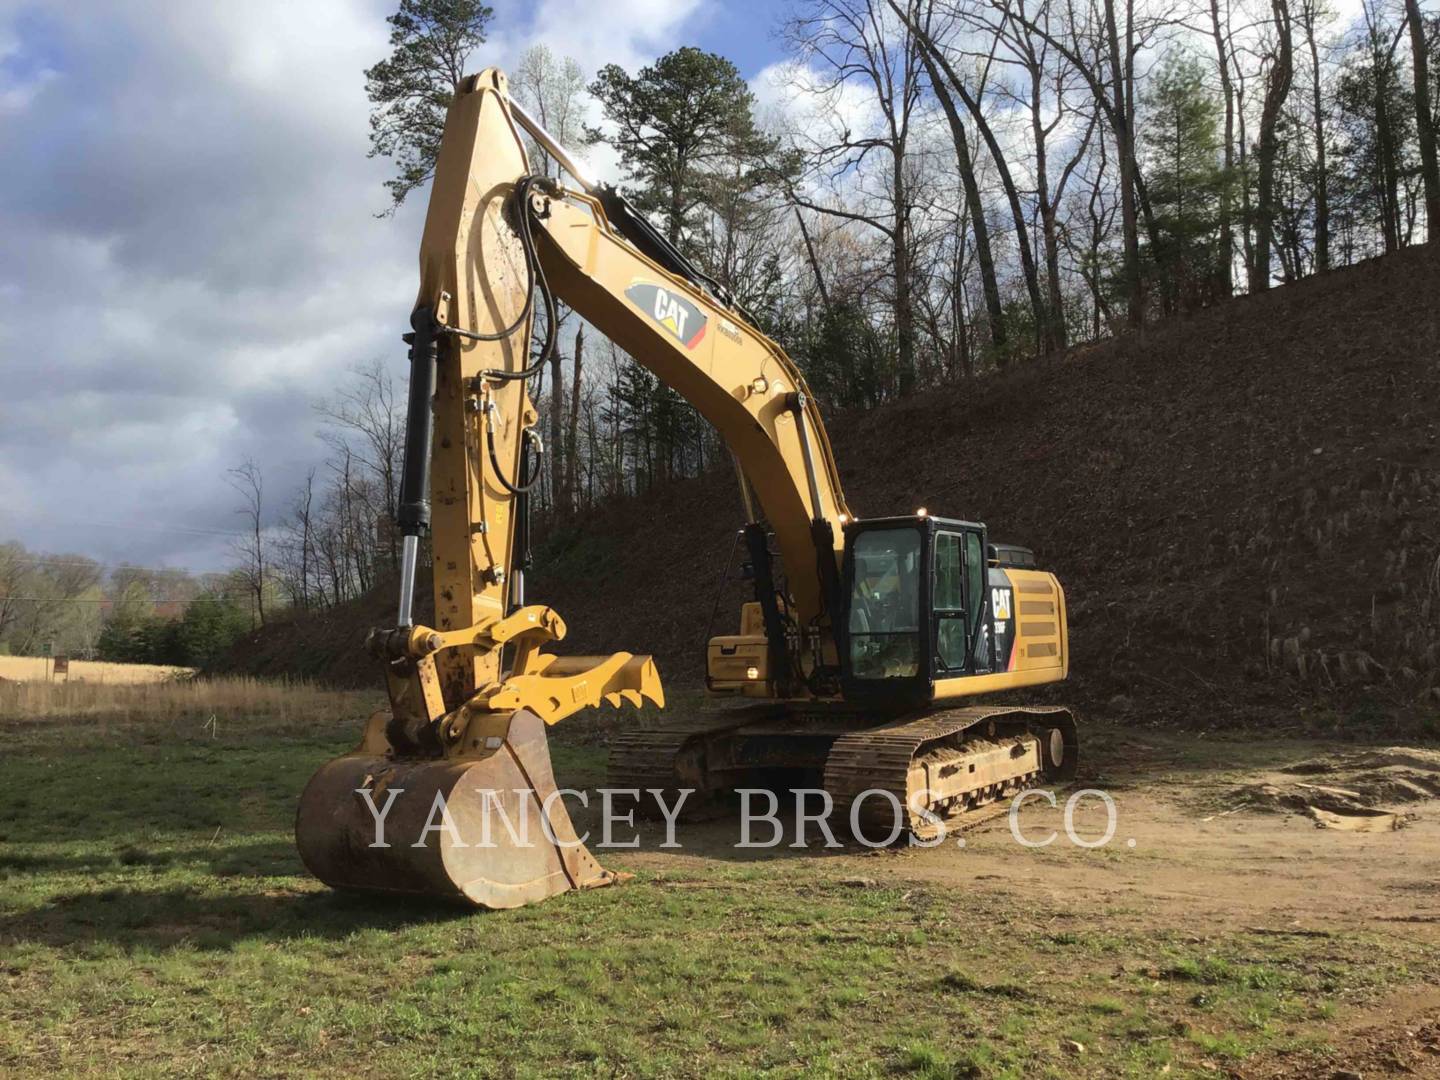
1000,601
670,310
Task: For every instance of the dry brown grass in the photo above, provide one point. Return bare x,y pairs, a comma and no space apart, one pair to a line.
37,668
227,699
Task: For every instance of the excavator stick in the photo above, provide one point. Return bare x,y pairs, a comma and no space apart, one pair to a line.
450,793
492,831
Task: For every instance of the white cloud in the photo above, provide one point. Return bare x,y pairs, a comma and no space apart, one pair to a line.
625,32
189,252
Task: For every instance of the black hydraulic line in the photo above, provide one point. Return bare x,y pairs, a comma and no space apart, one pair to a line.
537,279
535,282
527,479
630,224
530,282
648,240
523,523
758,545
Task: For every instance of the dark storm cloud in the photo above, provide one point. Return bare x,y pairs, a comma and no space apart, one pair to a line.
190,260
189,253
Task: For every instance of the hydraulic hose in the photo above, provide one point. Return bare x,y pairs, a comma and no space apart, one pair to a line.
535,282
529,477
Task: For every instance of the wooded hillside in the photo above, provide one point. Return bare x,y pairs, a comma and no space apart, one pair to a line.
925,192
1243,504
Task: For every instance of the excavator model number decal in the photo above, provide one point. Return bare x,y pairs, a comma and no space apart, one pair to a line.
670,310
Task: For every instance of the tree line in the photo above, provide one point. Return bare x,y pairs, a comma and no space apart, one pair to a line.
950,187
77,606
955,185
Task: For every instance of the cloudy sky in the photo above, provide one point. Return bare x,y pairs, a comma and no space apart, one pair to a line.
189,253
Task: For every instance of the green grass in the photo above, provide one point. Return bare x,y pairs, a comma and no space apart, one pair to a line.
154,919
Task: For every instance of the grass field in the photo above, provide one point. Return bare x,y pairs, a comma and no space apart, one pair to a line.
37,669
176,699
154,919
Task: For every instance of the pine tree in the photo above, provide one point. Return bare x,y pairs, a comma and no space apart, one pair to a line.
1377,130
694,159
1186,181
682,126
411,89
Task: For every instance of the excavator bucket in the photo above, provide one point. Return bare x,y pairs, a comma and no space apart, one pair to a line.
490,830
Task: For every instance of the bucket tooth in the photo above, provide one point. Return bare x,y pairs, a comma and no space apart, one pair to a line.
489,830
567,684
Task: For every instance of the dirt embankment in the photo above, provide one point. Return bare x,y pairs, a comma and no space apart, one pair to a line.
1243,506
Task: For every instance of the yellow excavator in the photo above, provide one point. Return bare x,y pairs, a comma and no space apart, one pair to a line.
848,663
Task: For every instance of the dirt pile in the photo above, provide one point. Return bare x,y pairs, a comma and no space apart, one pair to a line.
1357,792
1243,506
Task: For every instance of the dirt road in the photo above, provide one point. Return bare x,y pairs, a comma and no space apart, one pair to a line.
1213,837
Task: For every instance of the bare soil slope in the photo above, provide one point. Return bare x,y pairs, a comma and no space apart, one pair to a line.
1243,506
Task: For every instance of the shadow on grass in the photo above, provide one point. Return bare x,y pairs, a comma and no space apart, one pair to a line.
138,919
263,858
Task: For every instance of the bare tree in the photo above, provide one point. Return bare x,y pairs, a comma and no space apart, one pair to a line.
553,88
998,156
41,600
1277,89
1099,216
1122,113
1032,53
572,430
1220,30
974,207
14,566
297,550
812,257
1309,15
366,419
1114,94
250,546
557,419
856,42
1424,117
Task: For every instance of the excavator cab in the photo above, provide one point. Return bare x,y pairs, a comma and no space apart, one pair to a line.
932,614
916,606
927,610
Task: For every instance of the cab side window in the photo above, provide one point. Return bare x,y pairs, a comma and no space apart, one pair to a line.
975,570
951,636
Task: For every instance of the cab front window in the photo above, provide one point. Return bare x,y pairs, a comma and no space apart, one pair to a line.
884,626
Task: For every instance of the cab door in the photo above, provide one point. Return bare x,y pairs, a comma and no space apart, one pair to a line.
959,603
